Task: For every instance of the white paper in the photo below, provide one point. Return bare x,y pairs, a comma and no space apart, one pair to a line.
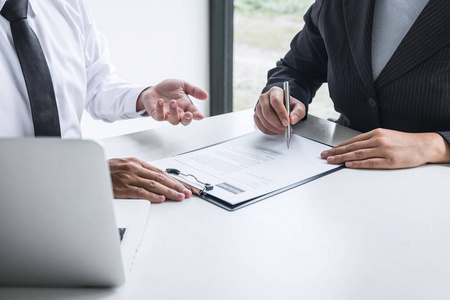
251,165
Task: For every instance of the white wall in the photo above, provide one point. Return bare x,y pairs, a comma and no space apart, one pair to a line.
151,40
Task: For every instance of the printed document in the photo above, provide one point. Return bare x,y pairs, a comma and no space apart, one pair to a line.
250,166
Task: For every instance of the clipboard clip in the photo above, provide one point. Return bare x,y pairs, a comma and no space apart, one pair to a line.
206,186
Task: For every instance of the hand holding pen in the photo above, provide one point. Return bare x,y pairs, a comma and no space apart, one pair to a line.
271,115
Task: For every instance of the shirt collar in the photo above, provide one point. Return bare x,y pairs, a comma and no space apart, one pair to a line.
31,11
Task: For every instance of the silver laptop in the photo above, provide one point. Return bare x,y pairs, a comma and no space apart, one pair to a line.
59,225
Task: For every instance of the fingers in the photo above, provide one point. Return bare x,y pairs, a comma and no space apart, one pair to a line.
358,138
362,159
270,114
276,107
347,148
159,112
377,149
298,110
177,115
174,117
360,154
355,149
373,163
162,183
138,180
191,108
264,124
194,91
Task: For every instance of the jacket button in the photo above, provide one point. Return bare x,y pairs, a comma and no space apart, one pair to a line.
372,103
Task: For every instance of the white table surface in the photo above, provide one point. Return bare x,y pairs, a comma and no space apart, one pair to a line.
354,234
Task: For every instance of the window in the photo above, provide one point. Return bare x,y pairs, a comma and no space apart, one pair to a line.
262,31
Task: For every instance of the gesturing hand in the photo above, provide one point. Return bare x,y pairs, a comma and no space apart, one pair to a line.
270,114
135,179
389,149
169,100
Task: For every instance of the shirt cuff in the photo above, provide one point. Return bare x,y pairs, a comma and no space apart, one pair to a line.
130,104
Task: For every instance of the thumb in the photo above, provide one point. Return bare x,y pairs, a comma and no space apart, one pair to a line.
194,91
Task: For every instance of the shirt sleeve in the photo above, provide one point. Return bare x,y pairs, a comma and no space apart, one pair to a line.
305,64
107,97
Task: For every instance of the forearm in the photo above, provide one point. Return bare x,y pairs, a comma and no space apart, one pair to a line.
114,100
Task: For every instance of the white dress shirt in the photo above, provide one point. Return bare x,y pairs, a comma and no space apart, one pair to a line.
78,59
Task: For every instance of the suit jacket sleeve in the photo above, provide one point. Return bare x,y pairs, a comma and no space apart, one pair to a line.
305,65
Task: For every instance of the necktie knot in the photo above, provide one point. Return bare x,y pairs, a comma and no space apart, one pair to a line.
14,10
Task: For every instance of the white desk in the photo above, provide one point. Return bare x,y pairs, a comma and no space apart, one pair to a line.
351,235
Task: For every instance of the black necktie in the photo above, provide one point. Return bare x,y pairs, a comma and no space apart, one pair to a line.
35,69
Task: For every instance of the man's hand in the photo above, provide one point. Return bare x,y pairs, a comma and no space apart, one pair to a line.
135,179
270,114
169,100
388,149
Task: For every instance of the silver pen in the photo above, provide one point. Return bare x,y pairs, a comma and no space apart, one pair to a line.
287,96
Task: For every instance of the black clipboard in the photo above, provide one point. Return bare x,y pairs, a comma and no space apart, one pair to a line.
201,189
232,207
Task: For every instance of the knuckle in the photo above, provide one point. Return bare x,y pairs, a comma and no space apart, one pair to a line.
160,177
124,176
143,192
377,132
350,147
129,167
152,184
359,154
274,89
394,161
383,141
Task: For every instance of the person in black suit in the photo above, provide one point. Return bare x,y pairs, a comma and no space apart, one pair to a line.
399,98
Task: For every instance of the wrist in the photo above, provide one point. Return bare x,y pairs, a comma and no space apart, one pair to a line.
140,106
437,149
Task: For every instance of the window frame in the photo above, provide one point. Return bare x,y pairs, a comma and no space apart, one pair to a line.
221,17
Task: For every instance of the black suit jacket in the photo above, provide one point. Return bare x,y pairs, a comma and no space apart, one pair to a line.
411,94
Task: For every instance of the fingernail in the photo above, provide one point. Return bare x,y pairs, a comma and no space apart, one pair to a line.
160,102
348,164
187,192
295,118
324,154
180,196
188,117
285,122
161,198
330,159
173,105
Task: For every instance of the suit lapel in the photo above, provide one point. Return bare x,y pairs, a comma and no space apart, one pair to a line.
429,33
358,16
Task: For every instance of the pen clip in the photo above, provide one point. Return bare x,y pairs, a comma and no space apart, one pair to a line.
206,186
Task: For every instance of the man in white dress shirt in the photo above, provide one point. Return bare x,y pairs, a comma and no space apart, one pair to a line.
83,78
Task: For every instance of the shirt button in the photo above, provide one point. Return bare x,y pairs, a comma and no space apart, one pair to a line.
372,103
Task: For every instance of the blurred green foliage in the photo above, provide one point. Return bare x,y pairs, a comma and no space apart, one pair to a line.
272,7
